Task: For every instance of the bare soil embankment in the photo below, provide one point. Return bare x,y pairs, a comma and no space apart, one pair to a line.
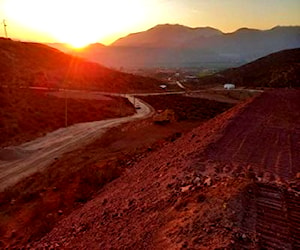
38,202
182,196
266,136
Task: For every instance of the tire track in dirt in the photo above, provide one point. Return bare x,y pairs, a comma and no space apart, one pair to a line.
266,135
278,217
266,138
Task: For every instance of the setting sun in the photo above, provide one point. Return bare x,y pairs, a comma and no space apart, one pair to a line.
77,23
81,22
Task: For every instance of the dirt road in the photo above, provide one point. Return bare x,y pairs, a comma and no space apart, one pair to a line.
23,160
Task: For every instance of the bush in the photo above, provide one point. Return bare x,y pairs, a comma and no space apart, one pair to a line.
92,179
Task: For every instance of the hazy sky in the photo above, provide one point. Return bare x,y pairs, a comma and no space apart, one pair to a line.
79,22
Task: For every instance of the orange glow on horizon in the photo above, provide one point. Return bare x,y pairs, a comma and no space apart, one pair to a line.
81,22
77,23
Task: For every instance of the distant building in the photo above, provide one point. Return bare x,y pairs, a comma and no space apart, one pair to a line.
229,86
191,78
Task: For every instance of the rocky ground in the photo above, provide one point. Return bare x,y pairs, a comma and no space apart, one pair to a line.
30,209
207,190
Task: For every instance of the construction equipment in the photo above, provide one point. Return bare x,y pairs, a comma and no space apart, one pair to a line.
164,117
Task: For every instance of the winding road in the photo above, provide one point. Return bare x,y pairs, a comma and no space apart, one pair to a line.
17,162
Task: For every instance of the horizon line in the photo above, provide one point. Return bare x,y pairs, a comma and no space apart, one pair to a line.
145,30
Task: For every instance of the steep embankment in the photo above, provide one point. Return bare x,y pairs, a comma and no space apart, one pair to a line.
33,64
182,197
74,178
265,136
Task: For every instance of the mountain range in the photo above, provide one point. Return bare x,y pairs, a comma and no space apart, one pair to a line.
176,45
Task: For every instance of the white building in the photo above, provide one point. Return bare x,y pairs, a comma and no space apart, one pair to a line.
229,86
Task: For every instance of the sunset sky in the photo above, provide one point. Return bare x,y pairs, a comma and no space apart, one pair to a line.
80,22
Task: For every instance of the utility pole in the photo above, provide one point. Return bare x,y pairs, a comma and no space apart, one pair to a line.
66,107
5,30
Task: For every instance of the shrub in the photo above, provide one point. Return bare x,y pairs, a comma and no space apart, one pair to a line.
93,178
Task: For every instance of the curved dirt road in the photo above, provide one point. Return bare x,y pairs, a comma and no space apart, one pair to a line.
23,160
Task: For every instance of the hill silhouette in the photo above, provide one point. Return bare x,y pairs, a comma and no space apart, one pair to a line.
281,69
33,64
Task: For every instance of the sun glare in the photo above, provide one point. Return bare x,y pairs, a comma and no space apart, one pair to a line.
77,23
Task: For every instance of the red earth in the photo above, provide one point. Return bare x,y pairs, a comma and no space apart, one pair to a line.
191,195
29,209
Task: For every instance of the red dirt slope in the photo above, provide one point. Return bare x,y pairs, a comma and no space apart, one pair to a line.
266,136
186,197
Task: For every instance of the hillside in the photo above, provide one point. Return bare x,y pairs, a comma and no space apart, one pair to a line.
180,46
281,69
206,190
33,64
26,114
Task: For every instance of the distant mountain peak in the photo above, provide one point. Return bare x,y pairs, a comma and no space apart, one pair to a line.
177,26
168,25
245,30
166,35
96,45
